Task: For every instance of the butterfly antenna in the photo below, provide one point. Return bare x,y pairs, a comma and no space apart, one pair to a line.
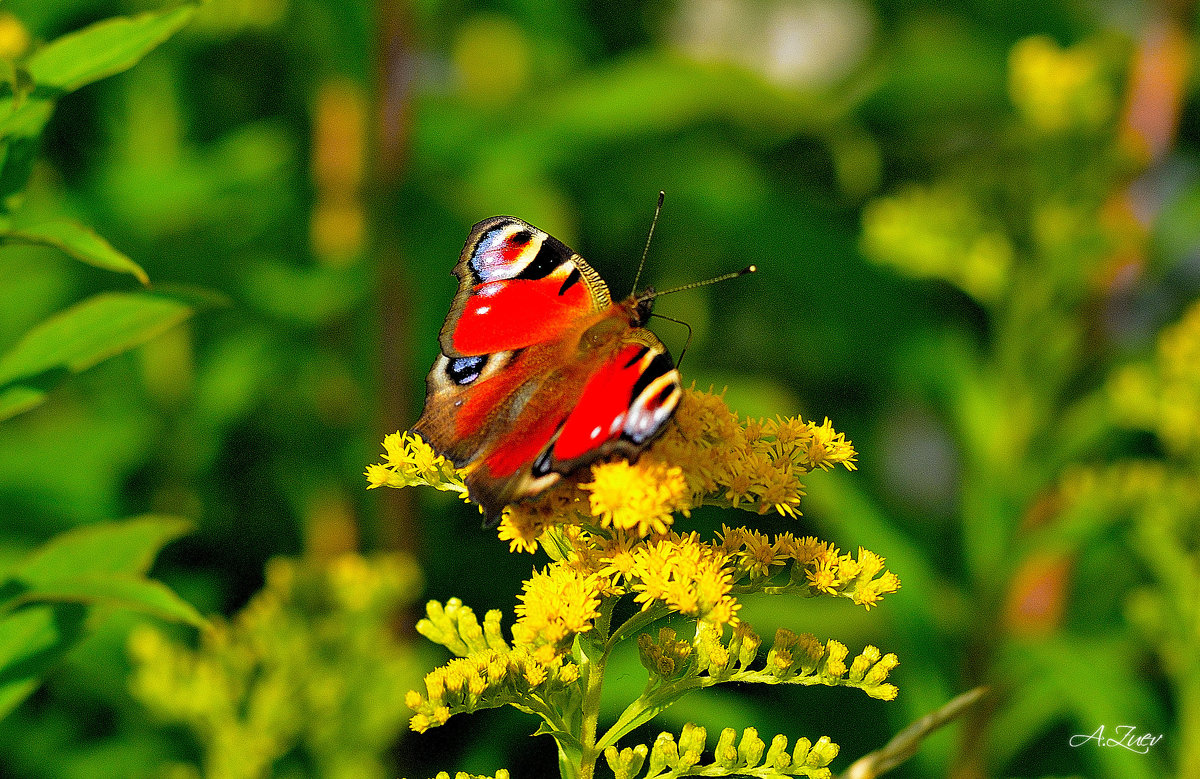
686,343
657,210
694,284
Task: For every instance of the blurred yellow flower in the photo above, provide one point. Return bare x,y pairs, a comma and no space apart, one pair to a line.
939,232
1164,396
14,38
1057,89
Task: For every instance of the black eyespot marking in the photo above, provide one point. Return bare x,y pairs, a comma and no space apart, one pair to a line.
550,255
662,396
541,466
464,370
658,366
520,238
571,281
636,357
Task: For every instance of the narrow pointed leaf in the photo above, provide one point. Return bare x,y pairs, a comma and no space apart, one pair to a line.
127,547
90,332
78,241
17,400
119,591
104,48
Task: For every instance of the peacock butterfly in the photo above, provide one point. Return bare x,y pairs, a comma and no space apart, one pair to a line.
540,372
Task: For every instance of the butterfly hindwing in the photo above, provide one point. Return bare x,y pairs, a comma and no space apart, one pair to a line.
620,406
623,406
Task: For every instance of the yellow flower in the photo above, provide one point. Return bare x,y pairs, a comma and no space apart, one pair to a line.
1056,89
827,448
616,557
688,576
409,461
758,554
808,549
557,603
939,232
1165,396
639,498
14,38
823,576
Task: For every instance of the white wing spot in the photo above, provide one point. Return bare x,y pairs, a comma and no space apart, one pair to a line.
596,431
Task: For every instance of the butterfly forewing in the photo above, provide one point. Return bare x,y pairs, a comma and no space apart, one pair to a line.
517,286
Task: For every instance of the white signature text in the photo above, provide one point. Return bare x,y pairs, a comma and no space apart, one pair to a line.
1126,737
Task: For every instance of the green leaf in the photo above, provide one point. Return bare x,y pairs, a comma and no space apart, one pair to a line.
116,590
104,48
62,66
126,547
17,400
76,240
31,641
18,150
90,332
25,119
45,599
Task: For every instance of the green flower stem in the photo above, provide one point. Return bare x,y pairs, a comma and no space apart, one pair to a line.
593,655
647,706
591,716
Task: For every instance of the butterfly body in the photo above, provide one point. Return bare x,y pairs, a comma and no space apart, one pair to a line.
540,372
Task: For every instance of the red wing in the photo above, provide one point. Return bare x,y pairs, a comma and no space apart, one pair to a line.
518,286
624,405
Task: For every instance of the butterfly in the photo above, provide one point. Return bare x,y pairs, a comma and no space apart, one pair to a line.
540,372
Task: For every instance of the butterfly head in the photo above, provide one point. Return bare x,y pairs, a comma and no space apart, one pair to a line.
642,306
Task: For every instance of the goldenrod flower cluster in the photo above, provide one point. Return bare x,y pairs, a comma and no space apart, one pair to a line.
311,664
488,672
410,462
557,603
610,535
731,756
707,456
808,564
1164,397
710,658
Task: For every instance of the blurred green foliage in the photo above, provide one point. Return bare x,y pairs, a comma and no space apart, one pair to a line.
971,223
309,673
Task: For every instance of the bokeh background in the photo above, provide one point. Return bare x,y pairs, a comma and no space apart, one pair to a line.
977,228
